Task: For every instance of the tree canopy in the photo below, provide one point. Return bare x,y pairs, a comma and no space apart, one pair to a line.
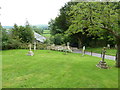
87,20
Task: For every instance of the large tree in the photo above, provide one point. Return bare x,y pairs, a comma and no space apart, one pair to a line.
24,33
61,22
97,18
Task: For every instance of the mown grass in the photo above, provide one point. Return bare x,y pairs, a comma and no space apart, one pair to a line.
98,50
52,69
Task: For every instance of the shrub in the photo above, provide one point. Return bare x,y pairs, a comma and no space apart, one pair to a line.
58,39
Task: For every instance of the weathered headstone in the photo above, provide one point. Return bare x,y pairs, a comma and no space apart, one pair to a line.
102,63
108,46
34,45
68,47
30,53
83,51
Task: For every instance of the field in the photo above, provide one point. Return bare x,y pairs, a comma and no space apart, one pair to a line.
46,33
111,52
52,69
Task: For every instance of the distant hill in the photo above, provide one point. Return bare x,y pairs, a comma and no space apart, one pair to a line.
7,27
42,26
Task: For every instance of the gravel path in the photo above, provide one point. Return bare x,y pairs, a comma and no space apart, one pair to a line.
96,54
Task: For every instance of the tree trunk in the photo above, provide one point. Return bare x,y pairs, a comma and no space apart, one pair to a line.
79,43
118,54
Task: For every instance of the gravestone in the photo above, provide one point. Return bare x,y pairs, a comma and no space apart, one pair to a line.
68,47
102,63
34,45
30,53
83,51
108,46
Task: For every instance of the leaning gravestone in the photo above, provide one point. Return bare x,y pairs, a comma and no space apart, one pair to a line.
83,51
30,53
102,63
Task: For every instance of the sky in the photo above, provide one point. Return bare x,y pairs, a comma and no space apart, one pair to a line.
35,11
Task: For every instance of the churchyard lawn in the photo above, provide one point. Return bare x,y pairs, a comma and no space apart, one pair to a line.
53,69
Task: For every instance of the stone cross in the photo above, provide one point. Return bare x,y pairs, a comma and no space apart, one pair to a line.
34,45
104,51
30,53
83,52
102,63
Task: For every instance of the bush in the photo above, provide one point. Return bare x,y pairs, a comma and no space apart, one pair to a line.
48,42
58,39
11,44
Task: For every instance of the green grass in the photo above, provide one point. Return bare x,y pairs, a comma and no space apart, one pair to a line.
52,69
98,50
46,33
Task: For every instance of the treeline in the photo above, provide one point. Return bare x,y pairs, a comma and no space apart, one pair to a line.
86,23
19,37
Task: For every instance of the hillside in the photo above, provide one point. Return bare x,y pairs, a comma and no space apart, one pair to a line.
42,26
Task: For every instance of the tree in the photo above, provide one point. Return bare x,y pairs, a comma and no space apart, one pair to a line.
4,38
37,29
25,34
97,18
61,22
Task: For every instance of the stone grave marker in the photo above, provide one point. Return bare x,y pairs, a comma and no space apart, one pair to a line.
30,53
108,46
102,63
83,51
34,45
68,46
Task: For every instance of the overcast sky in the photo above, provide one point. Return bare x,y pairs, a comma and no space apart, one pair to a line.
36,11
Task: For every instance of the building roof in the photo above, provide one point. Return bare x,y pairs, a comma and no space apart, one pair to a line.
39,37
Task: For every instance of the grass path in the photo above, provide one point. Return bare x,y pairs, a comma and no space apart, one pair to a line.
52,69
